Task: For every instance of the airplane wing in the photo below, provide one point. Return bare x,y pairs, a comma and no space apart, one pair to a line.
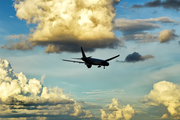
72,61
112,58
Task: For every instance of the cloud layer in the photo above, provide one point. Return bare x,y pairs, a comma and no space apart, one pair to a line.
168,4
20,96
139,25
66,25
138,29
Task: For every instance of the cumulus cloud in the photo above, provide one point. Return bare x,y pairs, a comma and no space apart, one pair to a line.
78,23
21,96
167,94
168,4
167,35
136,57
117,112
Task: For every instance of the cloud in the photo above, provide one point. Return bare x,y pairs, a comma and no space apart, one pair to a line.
117,112
142,37
11,16
136,57
166,73
167,94
78,23
20,45
42,78
99,91
168,4
167,35
165,116
128,26
137,29
28,97
19,37
139,25
137,6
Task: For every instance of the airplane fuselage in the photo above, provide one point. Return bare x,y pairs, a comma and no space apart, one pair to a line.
94,61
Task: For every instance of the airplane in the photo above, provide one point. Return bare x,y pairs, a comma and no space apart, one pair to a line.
89,61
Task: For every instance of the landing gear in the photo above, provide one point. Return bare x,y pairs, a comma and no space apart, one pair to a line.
100,66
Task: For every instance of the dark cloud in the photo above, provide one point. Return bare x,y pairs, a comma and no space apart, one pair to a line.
133,26
168,4
74,46
137,6
61,46
135,57
155,3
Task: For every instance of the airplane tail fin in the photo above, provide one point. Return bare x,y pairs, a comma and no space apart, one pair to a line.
83,54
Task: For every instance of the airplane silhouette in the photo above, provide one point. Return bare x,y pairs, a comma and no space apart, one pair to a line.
89,61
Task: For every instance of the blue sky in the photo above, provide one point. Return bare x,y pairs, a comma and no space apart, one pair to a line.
129,83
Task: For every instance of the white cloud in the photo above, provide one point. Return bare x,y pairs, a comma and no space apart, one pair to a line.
167,94
20,95
11,16
117,112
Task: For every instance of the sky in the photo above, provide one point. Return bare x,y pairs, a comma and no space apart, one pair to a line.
142,84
